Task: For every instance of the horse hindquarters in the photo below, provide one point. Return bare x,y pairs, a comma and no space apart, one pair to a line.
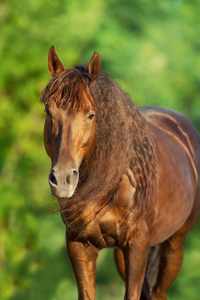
171,255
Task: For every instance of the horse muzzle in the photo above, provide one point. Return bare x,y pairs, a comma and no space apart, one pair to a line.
63,183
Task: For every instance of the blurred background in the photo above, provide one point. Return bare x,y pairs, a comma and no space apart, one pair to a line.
152,48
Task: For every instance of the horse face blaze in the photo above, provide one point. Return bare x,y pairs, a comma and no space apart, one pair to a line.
69,138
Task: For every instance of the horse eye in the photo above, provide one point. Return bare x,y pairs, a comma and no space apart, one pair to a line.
91,116
48,113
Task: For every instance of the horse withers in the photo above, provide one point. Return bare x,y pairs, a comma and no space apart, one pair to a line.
126,178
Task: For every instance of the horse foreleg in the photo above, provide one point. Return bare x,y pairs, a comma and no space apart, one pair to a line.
119,261
120,264
135,255
83,258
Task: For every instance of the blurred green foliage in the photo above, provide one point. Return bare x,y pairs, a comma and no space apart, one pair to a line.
152,49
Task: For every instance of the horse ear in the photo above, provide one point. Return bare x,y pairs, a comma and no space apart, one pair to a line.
54,64
94,66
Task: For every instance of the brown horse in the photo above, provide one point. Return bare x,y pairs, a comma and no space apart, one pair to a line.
125,178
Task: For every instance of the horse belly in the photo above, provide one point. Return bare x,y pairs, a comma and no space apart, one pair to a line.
177,192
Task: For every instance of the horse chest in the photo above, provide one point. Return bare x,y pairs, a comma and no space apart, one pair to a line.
105,232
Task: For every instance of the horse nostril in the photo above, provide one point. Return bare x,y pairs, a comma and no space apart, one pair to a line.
52,178
72,176
75,172
68,179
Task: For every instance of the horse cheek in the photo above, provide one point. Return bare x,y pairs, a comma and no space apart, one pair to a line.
90,142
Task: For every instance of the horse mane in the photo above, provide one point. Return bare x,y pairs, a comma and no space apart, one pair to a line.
123,144
66,89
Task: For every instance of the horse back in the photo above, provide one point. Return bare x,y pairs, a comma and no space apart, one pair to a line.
174,123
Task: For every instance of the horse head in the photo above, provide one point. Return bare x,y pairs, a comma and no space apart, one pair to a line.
69,132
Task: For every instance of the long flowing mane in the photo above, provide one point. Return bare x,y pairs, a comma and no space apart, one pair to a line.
123,144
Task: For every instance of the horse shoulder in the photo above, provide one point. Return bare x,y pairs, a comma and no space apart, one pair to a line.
117,224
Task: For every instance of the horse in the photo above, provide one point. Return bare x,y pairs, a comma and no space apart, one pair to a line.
125,177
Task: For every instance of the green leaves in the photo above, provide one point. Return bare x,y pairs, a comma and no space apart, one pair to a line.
151,48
